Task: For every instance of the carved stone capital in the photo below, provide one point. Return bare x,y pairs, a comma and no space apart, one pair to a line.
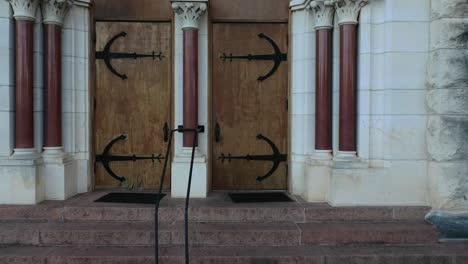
190,12
54,11
348,10
24,9
324,11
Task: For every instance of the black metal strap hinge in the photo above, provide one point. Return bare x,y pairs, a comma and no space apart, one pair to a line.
277,57
276,157
108,56
106,158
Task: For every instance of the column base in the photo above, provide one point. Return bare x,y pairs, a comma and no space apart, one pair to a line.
53,152
21,182
322,155
348,160
58,173
25,154
346,156
317,176
180,172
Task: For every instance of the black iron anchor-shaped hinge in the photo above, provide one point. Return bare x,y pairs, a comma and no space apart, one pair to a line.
277,57
276,157
108,56
106,158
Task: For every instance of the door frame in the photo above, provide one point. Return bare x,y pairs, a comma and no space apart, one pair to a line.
249,20
93,86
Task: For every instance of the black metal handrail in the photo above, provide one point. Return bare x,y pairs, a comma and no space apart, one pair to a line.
180,129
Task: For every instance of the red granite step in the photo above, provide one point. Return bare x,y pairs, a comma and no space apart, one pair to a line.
368,233
226,213
141,234
201,214
376,254
216,208
314,213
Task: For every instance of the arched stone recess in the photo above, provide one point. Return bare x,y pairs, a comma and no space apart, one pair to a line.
391,163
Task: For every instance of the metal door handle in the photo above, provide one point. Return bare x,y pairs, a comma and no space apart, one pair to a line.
166,132
217,133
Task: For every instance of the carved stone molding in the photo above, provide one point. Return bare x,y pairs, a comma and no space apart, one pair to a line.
348,10
24,9
190,12
324,11
54,11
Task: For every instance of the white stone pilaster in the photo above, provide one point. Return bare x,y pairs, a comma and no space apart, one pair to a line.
318,165
348,10
191,14
54,11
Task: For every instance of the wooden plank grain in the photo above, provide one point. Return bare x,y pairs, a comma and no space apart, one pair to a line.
153,10
250,10
245,107
138,106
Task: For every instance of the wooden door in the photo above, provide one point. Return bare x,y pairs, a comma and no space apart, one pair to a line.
138,105
244,107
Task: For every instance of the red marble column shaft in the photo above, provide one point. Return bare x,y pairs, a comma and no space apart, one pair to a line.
24,84
323,83
348,91
53,83
190,111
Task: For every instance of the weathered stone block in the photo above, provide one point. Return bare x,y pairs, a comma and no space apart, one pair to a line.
447,101
446,138
448,8
448,184
450,223
447,68
449,33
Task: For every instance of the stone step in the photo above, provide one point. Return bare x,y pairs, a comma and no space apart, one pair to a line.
142,234
374,254
210,212
279,234
368,233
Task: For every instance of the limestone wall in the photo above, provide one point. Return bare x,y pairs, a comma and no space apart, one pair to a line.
393,51
447,104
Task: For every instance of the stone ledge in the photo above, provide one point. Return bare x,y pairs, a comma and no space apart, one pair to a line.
451,223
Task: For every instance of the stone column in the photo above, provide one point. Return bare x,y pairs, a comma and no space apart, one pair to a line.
20,181
348,13
53,12
323,16
317,169
447,123
191,93
25,15
57,169
190,13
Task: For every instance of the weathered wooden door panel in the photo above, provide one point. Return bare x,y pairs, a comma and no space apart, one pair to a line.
244,107
137,106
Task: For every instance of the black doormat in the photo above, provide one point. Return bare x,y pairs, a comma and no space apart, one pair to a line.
137,198
260,197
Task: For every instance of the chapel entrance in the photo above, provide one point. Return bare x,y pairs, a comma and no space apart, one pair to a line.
132,102
249,106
